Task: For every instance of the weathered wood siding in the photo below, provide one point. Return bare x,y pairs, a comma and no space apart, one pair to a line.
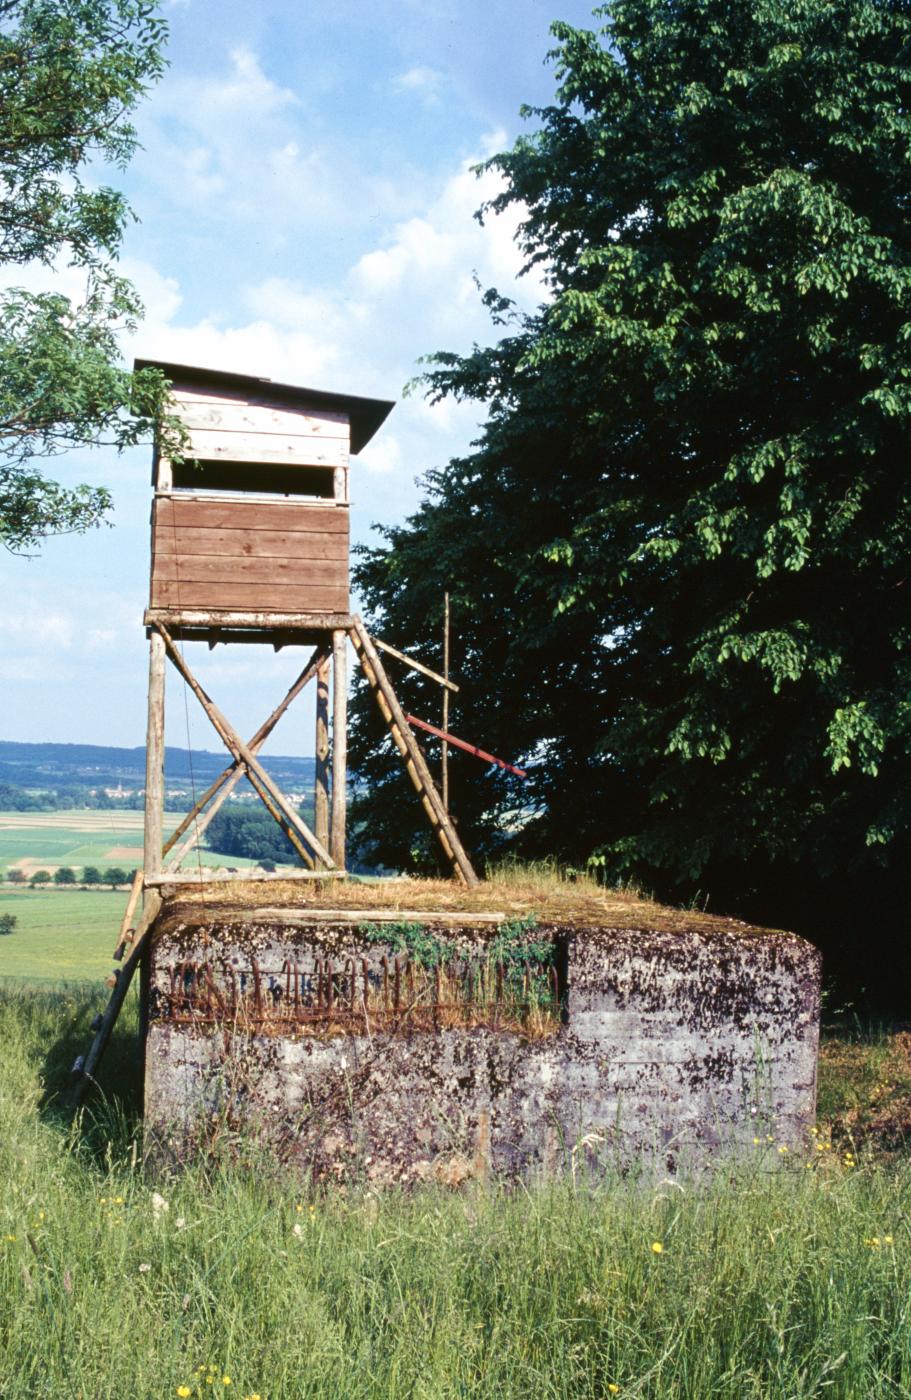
232,427
240,555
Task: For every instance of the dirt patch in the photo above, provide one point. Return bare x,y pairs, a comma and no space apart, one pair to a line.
123,853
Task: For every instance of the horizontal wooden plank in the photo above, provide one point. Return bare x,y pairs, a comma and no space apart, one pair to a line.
242,417
244,619
251,544
267,447
195,512
328,573
226,877
255,597
187,395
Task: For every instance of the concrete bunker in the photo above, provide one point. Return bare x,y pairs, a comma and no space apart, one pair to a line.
449,1044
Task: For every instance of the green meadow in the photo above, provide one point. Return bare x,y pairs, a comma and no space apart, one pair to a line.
62,935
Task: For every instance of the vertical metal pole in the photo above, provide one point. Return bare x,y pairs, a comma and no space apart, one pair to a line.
154,803
321,794
444,759
339,745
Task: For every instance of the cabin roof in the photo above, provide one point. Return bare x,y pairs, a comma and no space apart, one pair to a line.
364,415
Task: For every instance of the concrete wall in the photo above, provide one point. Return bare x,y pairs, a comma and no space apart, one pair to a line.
675,1044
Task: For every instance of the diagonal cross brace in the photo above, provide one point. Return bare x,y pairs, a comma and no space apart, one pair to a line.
227,781
409,748
268,790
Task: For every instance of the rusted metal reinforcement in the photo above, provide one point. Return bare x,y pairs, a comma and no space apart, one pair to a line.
359,995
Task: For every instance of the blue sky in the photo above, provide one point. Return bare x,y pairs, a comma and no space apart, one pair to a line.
304,198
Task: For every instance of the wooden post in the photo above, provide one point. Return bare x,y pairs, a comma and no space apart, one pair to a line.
339,745
444,760
321,793
154,801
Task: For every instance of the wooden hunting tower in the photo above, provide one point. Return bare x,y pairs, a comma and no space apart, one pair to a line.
250,543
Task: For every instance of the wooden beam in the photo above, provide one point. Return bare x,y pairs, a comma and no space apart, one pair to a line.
124,937
153,823
212,877
410,750
241,753
208,618
339,745
321,747
300,918
85,1069
415,665
234,772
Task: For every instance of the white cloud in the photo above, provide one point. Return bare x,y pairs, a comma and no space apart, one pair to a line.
423,81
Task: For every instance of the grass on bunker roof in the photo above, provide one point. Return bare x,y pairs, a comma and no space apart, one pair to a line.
551,893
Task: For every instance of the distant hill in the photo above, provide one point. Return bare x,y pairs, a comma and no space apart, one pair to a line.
97,765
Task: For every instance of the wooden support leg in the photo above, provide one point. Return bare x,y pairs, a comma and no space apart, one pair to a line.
321,787
84,1069
410,750
339,745
154,800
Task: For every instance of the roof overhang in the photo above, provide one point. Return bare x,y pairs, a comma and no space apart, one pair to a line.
366,416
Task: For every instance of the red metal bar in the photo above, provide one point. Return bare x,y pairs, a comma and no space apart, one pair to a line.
469,748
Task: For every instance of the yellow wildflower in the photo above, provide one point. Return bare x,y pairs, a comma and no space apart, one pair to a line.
184,1391
887,1239
226,1380
755,1142
613,1388
657,1247
782,1148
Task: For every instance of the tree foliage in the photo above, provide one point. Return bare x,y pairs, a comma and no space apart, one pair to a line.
71,71
251,833
679,551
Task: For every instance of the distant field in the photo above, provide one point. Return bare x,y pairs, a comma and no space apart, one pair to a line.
45,840
61,935
67,934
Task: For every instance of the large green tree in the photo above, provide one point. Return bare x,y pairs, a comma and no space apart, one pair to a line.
679,551
71,71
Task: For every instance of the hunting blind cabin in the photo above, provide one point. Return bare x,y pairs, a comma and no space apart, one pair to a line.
250,543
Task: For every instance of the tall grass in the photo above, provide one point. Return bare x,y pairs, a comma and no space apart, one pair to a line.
767,1282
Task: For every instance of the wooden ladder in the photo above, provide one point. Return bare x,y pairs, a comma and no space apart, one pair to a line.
132,942
409,748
